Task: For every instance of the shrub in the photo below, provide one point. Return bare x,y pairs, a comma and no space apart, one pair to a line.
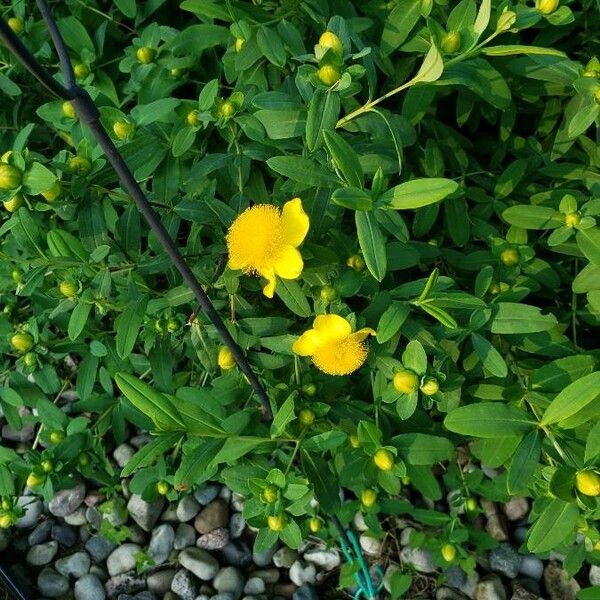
393,206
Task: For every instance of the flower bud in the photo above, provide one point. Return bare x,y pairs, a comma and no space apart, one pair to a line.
406,382
14,203
450,42
430,386
328,75
356,262
270,494
588,483
227,109
239,44
123,129
30,359
22,342
306,417
163,488
145,55
309,389
509,257
547,7
53,192
448,552
16,24
328,293
506,20
384,460
314,525
57,436
81,70
354,441
68,109
225,359
34,479
368,497
277,522
79,165
572,220
10,177
193,119
68,289
330,41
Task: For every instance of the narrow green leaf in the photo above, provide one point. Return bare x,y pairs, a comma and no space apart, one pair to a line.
524,463
573,398
147,454
557,521
128,324
511,317
489,420
417,193
344,158
490,357
372,244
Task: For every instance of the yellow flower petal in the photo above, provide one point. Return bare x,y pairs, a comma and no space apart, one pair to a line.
289,263
295,222
332,327
308,343
269,289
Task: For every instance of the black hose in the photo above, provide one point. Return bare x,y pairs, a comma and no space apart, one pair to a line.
88,113
10,585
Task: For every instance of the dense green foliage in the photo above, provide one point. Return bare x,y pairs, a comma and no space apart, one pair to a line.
447,156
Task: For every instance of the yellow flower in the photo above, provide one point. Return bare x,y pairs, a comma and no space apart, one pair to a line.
263,240
333,347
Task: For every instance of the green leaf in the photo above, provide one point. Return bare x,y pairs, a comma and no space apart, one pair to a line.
398,25
432,67
328,440
511,317
592,444
573,398
510,178
372,244
323,112
282,124
483,17
7,484
75,35
78,319
127,7
345,158
284,416
417,193
490,357
554,376
271,46
150,402
391,321
554,525
292,535
38,179
524,463
292,296
128,324
423,449
352,198
324,482
195,464
236,447
414,357
149,453
511,50
302,170
489,420
533,217
588,241
156,111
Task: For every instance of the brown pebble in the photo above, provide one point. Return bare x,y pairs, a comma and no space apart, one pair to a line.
213,516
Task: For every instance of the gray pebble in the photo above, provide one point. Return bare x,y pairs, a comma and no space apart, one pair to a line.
532,566
491,588
301,572
89,587
161,543
77,517
305,592
199,562
237,524
33,509
99,548
285,557
185,536
145,514
184,585
255,585
126,583
237,554
265,558
419,558
52,584
595,575
187,508
67,501
41,532
122,454
229,580
122,559
94,517
76,565
214,540
325,558
65,535
370,545
505,560
207,494
160,581
267,575
42,554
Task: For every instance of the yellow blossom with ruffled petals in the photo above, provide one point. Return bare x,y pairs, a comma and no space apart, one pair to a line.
263,240
333,347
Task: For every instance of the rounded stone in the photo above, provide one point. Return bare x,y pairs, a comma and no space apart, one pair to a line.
161,543
184,585
185,536
532,566
32,510
255,585
229,580
187,508
42,554
207,494
326,559
65,535
159,582
505,560
301,573
75,565
99,548
123,454
145,514
89,587
122,559
199,562
370,545
285,557
66,502
214,540
52,584
41,533
213,516
419,558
